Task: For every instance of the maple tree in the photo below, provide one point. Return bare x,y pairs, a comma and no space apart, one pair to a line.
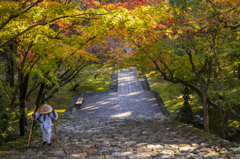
47,48
194,43
205,43
191,47
185,39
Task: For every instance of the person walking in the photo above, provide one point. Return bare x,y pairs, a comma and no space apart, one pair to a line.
44,115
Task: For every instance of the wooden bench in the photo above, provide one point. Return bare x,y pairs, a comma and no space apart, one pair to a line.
79,102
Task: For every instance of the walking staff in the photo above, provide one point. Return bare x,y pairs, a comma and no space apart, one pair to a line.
31,127
54,122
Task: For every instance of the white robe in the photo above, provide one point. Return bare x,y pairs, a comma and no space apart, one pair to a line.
46,125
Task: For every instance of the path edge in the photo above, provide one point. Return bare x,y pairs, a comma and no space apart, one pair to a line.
160,102
72,104
112,88
114,82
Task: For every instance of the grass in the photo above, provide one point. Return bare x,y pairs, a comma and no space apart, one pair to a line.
170,93
87,84
171,98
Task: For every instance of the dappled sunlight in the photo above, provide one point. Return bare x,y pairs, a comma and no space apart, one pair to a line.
122,95
129,125
149,150
93,108
130,101
90,107
102,102
60,110
121,115
76,155
116,106
127,78
173,103
130,94
195,107
134,93
148,144
100,89
151,99
233,123
112,98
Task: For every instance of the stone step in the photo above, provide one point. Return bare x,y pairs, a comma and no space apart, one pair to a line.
114,152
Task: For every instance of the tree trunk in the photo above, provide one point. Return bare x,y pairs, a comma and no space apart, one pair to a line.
75,87
12,74
10,71
224,115
203,88
224,123
235,135
239,71
205,110
38,101
40,96
23,109
10,65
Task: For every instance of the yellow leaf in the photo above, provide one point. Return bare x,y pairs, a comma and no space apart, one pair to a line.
169,31
175,36
180,32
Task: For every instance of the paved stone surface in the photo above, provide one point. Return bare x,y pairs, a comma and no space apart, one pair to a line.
124,125
131,101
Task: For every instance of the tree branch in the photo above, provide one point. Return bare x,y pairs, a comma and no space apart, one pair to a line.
16,15
192,87
235,27
45,23
35,86
4,86
9,40
25,55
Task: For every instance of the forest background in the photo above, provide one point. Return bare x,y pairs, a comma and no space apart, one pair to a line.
47,45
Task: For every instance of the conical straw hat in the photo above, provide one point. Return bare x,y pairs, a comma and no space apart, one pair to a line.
44,109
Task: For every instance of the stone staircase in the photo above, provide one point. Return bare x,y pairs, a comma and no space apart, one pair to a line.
127,124
127,139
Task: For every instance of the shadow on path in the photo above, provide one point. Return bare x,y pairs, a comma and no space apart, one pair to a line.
130,101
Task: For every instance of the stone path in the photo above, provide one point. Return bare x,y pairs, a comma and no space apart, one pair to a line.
131,101
124,125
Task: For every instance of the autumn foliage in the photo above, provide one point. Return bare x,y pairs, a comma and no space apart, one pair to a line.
192,43
129,4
